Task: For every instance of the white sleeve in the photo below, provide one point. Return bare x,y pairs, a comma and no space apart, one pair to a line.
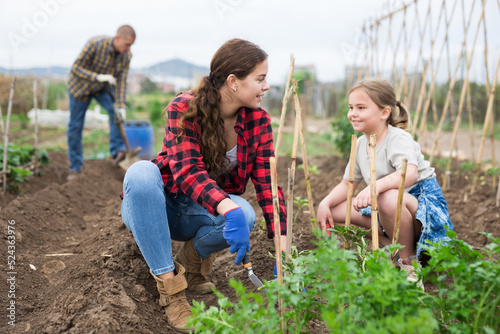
401,145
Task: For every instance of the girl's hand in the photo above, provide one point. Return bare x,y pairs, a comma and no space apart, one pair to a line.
362,200
324,216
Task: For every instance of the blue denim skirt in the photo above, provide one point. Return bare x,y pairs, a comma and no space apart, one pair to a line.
432,212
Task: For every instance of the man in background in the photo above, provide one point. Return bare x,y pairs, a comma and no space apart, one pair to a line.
99,72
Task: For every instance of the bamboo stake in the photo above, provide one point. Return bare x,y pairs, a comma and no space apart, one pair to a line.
277,233
291,173
397,220
394,73
312,211
35,107
449,94
6,134
420,53
462,94
469,102
492,121
404,77
373,62
387,43
424,75
373,190
2,127
430,92
352,165
488,118
388,15
498,195
286,97
361,68
492,143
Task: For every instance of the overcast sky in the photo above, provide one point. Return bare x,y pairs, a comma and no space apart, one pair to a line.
53,32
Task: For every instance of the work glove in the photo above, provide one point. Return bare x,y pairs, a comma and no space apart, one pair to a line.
120,115
237,233
109,78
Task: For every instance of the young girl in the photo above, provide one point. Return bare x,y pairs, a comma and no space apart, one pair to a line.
217,137
373,109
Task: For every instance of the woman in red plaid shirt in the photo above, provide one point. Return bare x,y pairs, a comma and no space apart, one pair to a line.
217,137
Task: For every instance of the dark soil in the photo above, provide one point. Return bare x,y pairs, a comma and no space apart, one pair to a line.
98,281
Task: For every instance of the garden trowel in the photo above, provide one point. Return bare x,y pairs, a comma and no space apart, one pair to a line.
255,280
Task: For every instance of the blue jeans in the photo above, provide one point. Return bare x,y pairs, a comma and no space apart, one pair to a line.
156,217
77,112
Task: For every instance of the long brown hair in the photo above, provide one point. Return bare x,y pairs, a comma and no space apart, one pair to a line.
238,57
382,93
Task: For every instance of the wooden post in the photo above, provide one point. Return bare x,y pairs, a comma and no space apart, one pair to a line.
291,173
449,94
284,106
373,190
397,220
310,199
6,135
2,126
489,113
277,232
35,108
498,195
352,165
462,94
430,92
289,210
420,53
423,85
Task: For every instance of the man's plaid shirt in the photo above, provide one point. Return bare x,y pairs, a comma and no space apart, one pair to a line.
98,57
183,170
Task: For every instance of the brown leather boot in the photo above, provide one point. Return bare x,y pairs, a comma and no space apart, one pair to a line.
197,268
173,299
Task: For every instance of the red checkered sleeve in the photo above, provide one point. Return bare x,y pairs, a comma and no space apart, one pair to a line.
185,160
261,177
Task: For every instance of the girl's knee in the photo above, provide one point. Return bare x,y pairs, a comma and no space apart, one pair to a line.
389,195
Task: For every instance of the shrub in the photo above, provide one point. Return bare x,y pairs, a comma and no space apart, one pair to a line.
19,157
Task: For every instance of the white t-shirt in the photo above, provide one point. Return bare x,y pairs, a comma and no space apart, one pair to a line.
397,145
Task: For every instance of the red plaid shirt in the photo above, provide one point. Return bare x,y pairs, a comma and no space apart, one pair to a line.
183,170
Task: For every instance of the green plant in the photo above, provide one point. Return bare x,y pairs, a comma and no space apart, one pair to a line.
312,169
360,291
475,285
155,113
301,203
495,172
19,159
467,168
344,298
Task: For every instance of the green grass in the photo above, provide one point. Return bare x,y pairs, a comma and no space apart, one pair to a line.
316,144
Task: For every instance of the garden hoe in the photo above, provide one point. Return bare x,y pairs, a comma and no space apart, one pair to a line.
130,155
255,280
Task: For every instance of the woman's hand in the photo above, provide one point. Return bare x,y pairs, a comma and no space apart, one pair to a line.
237,233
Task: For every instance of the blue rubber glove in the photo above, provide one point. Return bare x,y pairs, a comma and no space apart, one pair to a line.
237,233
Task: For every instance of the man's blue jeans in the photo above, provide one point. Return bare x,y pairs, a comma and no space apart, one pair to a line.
75,127
156,217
